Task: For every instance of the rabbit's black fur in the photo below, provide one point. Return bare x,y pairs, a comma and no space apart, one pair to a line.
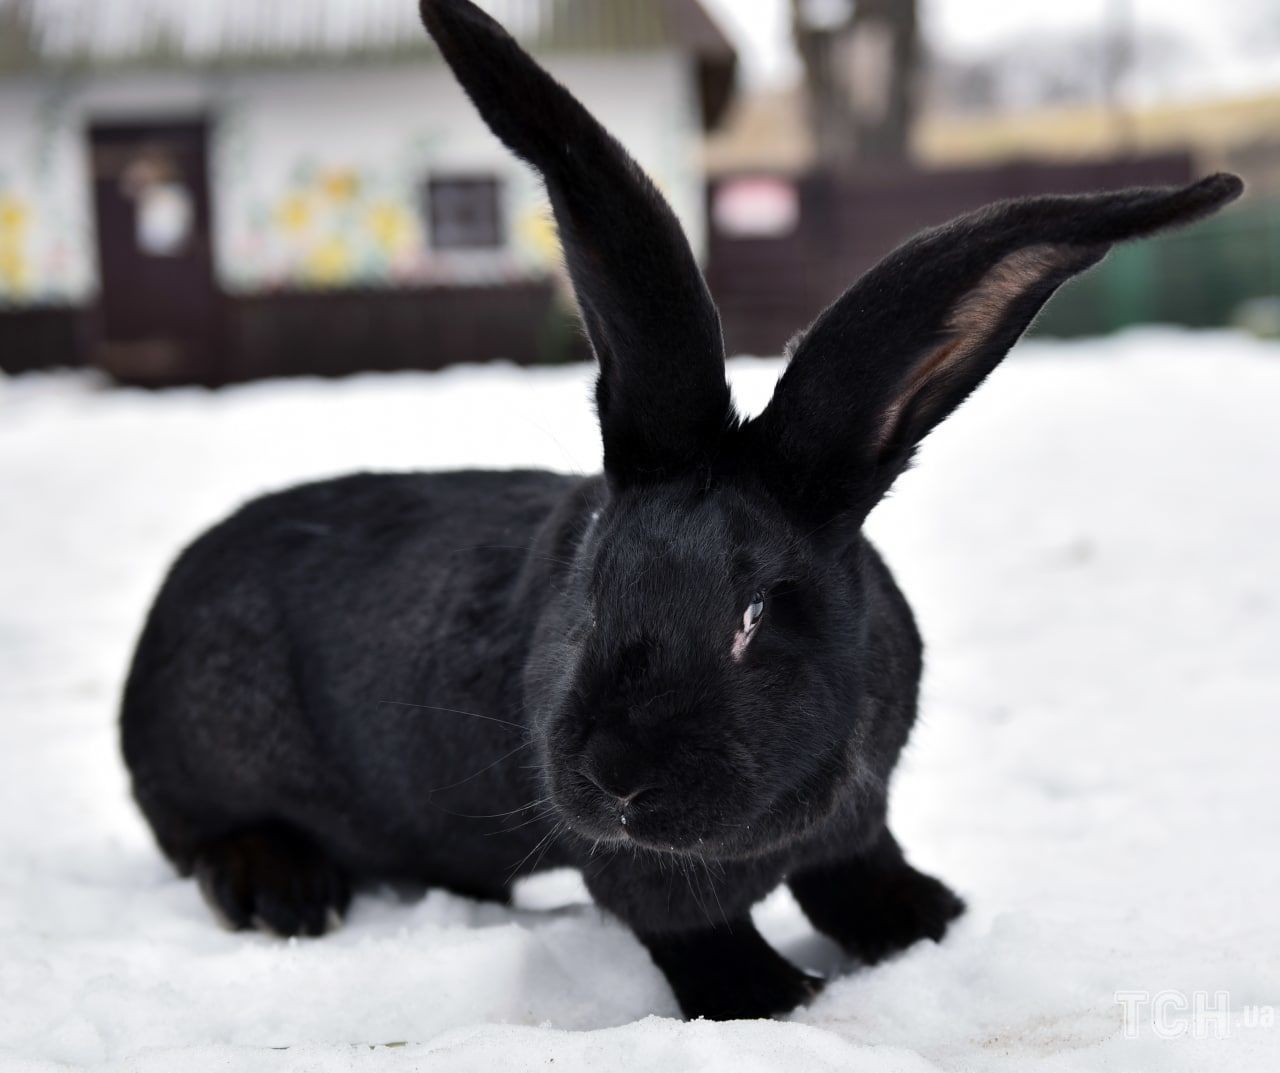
461,678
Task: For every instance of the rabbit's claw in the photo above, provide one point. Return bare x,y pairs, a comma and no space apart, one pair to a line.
272,879
876,904
918,906
730,973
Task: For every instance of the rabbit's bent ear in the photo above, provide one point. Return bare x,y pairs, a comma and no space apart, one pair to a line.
914,336
662,396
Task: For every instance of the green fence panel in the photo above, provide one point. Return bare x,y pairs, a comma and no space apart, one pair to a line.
1198,278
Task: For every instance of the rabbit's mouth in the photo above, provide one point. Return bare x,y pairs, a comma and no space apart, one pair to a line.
595,813
656,818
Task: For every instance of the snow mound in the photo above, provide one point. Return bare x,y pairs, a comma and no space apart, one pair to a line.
1092,548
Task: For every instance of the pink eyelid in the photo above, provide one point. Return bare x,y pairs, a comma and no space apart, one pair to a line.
743,637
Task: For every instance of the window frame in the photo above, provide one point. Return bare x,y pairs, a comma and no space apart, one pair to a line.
469,240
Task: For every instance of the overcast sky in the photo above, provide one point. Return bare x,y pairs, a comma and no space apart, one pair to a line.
1237,41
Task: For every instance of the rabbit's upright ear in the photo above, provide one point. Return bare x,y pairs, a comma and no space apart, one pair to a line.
915,335
662,396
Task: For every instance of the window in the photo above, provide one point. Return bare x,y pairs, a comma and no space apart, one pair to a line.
465,213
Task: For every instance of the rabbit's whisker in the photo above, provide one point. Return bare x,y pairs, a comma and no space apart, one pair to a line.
492,815
540,847
695,885
715,893
526,823
488,767
456,711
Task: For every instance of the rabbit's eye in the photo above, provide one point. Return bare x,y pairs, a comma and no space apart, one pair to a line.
750,620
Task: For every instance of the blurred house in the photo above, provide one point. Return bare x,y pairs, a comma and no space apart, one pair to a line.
768,132
217,190
787,234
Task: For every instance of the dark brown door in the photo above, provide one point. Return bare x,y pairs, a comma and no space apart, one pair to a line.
159,321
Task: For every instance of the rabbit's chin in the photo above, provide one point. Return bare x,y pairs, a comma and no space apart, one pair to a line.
623,830
653,821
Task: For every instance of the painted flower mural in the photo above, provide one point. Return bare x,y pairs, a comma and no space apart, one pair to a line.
336,227
536,230
393,227
16,270
333,226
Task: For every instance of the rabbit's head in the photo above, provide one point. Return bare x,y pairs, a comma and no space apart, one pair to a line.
701,671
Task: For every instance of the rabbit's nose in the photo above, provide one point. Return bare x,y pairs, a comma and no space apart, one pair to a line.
611,773
617,785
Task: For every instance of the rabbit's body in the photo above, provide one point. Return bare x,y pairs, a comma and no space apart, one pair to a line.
329,660
690,677
275,678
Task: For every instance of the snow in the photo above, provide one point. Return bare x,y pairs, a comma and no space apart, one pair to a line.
1091,546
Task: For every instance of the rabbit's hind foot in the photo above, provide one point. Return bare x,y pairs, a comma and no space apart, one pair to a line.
271,878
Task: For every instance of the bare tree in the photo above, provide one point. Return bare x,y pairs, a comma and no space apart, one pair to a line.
861,61
15,36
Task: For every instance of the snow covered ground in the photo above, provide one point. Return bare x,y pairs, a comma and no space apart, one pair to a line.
1093,547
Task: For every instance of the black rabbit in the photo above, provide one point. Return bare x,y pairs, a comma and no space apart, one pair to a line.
690,677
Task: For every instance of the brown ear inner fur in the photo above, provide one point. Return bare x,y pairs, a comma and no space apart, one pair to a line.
975,318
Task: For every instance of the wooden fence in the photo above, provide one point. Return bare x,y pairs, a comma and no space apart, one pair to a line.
770,288
313,333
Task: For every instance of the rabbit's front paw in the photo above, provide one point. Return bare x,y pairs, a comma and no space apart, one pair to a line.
876,904
729,973
271,878
720,997
915,907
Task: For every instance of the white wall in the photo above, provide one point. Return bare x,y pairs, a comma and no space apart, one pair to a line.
316,174
46,250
